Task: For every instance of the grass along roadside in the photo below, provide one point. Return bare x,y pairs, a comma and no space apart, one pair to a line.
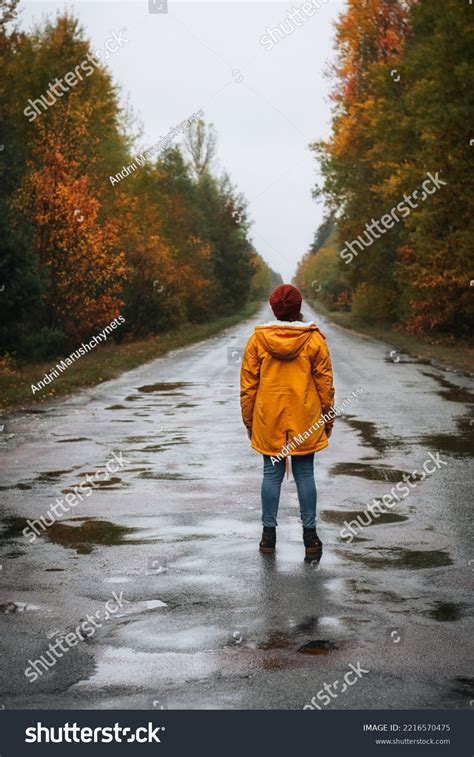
449,353
106,362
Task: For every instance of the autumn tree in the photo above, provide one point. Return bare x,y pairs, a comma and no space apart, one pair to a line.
167,245
403,95
369,38
84,269
431,131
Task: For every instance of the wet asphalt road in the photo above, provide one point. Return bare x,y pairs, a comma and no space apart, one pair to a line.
208,621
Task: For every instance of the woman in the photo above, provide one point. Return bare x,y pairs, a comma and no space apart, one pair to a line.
286,396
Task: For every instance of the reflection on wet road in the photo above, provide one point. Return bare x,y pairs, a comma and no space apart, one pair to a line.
209,622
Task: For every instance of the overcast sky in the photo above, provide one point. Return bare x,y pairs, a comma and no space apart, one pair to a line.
266,105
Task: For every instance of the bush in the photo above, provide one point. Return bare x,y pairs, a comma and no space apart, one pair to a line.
372,302
44,344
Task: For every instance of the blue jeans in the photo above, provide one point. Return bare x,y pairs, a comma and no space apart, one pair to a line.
303,473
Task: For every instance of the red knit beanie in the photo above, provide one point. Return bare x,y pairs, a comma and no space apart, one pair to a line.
286,302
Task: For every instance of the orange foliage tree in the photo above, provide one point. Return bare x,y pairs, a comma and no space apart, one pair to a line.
84,270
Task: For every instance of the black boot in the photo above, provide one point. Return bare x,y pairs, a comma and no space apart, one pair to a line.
268,541
313,545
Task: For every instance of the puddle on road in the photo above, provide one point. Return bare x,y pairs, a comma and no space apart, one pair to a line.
137,398
166,476
341,516
450,445
11,530
52,475
161,447
116,407
150,448
110,483
452,392
446,612
319,646
22,487
164,386
396,557
77,439
370,436
371,472
460,443
87,533
81,534
279,640
385,596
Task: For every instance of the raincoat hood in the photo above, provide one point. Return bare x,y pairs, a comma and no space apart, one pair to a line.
284,340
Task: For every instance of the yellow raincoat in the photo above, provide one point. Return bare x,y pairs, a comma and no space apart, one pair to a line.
286,384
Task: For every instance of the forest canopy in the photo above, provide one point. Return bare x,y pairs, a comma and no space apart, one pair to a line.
403,102
167,245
